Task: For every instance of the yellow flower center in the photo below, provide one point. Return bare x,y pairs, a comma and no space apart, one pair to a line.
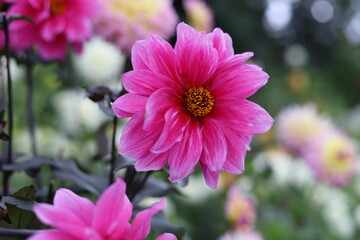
199,101
338,155
57,7
134,8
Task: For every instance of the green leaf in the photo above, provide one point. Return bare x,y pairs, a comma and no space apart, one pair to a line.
19,17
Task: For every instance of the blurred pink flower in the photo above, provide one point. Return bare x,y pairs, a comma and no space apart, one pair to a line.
297,124
199,15
188,105
238,235
240,210
332,157
55,24
77,218
123,22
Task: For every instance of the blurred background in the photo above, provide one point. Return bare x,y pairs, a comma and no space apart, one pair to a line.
310,49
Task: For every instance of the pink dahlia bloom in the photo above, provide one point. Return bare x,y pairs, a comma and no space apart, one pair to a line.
77,218
123,22
188,105
240,210
56,23
297,124
332,156
199,15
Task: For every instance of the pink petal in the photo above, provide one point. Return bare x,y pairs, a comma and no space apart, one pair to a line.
55,49
62,219
128,104
198,61
176,121
113,211
134,141
222,42
237,80
161,57
81,207
78,29
211,177
52,235
156,107
140,227
151,162
139,56
166,236
52,27
184,34
243,116
185,155
145,82
237,146
215,146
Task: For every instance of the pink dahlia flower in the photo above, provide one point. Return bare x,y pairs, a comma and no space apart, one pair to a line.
297,124
240,210
188,105
199,15
77,218
55,24
332,156
123,22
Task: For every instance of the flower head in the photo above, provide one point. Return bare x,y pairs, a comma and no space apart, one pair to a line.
238,235
296,125
99,62
55,24
188,105
332,157
200,16
123,22
78,218
240,210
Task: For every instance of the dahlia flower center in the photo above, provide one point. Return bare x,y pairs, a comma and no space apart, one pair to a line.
199,101
132,9
338,155
57,7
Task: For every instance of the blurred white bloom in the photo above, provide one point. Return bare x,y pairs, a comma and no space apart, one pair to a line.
197,189
352,121
278,14
357,215
323,194
238,235
78,113
286,170
16,71
338,217
322,11
99,62
296,55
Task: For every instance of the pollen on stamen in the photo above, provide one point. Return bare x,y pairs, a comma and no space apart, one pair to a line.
57,7
199,101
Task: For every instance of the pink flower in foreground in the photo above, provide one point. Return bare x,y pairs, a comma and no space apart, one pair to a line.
123,22
332,157
199,14
77,218
240,210
188,105
56,23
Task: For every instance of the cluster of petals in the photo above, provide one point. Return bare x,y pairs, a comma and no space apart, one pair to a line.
188,105
332,156
297,124
77,218
240,210
199,15
238,235
55,24
123,22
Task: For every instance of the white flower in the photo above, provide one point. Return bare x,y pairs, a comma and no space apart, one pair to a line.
238,235
78,113
16,71
99,62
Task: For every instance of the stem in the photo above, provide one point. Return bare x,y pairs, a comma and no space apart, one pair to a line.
29,102
6,175
140,186
18,232
113,152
